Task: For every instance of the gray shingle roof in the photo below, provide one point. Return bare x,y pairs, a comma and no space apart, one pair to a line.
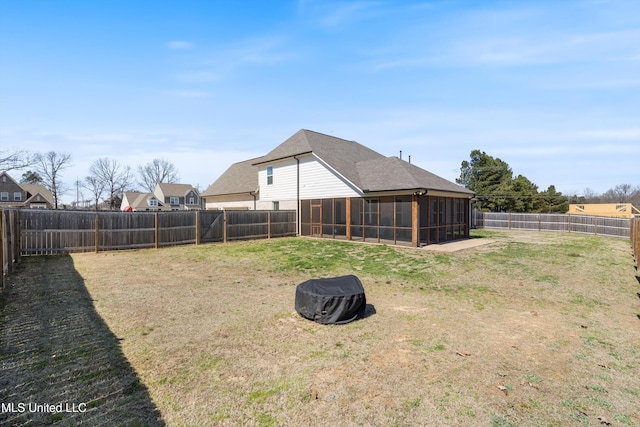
175,190
241,177
391,173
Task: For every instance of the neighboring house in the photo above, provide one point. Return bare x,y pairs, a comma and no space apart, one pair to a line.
166,197
137,201
178,196
618,210
342,189
13,194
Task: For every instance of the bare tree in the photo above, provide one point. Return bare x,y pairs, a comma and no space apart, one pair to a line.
158,170
49,166
15,160
621,193
115,178
96,186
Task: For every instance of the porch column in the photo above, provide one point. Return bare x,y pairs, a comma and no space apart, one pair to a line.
348,218
415,221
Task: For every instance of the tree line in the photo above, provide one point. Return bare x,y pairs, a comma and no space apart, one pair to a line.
107,181
497,190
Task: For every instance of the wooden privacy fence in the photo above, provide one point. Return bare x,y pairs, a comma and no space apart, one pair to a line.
9,242
50,232
603,226
635,241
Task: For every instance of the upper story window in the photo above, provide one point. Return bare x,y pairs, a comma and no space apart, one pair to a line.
153,202
17,196
269,175
192,200
4,196
174,200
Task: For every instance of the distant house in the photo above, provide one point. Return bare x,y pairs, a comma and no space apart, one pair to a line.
137,201
617,210
178,196
16,195
166,197
342,189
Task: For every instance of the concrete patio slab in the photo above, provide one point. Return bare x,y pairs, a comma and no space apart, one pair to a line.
458,245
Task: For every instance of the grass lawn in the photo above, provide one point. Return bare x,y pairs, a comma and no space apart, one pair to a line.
532,329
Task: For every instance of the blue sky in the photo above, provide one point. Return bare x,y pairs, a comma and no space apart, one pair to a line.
550,87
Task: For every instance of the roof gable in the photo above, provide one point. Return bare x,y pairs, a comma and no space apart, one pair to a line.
340,154
164,189
34,190
4,176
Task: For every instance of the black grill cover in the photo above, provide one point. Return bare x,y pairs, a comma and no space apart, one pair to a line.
334,300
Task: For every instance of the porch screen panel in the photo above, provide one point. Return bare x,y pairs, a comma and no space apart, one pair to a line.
340,217
387,218
305,217
356,218
449,216
327,217
371,218
442,224
433,220
403,218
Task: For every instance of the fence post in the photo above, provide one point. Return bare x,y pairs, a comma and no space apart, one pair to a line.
197,227
97,236
157,230
569,224
268,224
539,222
224,226
595,225
3,239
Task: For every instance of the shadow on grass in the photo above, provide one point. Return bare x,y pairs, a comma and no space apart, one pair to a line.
59,362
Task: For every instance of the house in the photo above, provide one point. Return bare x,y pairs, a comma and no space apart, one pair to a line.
166,197
137,201
16,195
617,210
178,196
344,190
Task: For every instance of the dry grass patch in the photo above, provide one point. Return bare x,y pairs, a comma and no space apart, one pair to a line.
534,329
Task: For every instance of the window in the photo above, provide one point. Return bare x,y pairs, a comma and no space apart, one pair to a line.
174,200
153,202
192,201
276,206
4,196
269,175
17,196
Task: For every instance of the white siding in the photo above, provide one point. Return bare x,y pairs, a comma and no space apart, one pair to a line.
317,181
229,202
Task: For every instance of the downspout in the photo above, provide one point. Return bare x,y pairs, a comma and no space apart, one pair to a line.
297,195
254,193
